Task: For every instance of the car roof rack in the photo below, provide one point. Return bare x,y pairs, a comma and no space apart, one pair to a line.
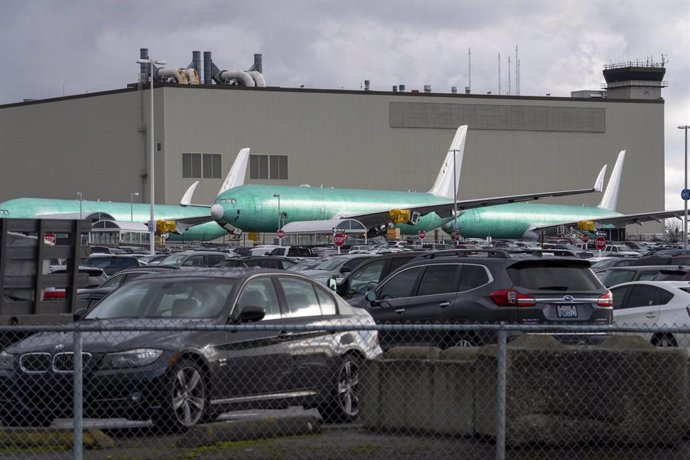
493,253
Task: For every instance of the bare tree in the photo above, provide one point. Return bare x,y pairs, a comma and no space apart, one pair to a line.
674,229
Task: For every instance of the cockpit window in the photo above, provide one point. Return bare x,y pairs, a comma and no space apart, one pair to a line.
228,201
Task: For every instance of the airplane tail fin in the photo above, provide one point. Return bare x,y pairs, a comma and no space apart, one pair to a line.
237,172
599,183
235,178
610,198
445,184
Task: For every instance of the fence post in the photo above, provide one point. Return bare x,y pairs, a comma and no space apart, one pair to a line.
77,448
501,363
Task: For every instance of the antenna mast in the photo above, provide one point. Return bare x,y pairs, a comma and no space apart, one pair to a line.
509,75
499,73
517,72
469,67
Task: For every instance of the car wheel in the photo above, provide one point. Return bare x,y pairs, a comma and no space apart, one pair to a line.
664,341
186,398
344,405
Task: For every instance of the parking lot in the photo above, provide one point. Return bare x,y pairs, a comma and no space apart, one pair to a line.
388,351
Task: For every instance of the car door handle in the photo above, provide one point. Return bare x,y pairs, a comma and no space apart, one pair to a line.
650,315
444,304
400,310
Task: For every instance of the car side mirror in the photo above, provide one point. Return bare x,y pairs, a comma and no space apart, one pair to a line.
371,297
251,314
332,284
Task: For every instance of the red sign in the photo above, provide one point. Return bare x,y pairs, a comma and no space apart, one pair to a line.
456,235
600,243
339,239
421,234
280,233
50,238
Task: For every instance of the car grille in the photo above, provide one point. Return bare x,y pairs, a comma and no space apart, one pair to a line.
62,362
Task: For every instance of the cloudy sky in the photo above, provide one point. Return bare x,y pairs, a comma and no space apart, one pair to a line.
53,48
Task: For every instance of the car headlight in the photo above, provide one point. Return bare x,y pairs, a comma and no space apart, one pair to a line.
132,358
6,361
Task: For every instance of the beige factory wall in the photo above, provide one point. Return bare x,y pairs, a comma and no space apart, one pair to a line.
345,139
97,144
56,148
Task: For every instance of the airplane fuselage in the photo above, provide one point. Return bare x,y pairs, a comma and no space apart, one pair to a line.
515,220
119,211
256,207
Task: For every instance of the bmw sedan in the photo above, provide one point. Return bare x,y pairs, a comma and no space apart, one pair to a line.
179,378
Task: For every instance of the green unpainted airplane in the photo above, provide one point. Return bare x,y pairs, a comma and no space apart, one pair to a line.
527,220
266,208
131,212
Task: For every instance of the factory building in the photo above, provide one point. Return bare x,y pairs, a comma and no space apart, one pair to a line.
98,143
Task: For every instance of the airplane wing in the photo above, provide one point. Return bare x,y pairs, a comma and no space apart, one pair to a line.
620,219
446,209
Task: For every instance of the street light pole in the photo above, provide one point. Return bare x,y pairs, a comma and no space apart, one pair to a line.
280,218
455,198
685,170
131,205
80,202
152,226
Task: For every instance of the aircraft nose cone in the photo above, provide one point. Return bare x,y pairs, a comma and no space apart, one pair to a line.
217,211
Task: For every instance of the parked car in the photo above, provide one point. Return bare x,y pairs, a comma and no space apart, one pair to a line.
617,275
665,256
607,262
658,304
679,273
94,294
179,378
89,277
195,259
367,274
620,250
276,262
112,263
153,259
336,266
494,288
292,251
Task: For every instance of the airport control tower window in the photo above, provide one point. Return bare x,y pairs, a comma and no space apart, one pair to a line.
268,167
198,165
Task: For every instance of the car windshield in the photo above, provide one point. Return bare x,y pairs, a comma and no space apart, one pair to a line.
165,298
332,264
174,260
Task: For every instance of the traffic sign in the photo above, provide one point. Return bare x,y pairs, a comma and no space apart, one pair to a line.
280,234
339,239
600,243
421,234
456,235
50,238
685,194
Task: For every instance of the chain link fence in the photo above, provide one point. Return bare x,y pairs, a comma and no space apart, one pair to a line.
145,390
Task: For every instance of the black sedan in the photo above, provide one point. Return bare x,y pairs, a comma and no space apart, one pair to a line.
179,378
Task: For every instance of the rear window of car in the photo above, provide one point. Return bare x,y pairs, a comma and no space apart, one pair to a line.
554,276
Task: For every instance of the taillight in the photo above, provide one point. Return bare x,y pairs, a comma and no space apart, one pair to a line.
47,295
605,300
512,298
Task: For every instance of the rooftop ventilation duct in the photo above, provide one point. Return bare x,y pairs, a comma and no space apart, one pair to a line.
250,78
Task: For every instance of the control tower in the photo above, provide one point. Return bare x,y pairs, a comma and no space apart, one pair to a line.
635,80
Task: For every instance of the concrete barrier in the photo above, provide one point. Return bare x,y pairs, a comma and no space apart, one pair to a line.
623,391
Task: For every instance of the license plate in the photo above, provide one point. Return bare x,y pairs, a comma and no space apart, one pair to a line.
566,311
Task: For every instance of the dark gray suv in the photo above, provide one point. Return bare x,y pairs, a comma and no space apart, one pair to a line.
460,288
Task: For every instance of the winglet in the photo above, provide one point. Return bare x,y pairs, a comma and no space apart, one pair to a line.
599,183
187,197
237,172
452,165
610,198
